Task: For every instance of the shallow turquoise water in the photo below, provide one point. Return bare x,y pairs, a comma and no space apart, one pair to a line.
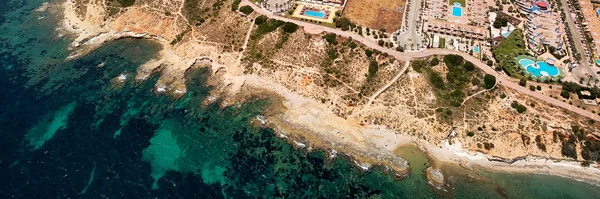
69,132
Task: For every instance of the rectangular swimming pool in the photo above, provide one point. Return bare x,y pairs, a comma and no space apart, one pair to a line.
457,11
317,14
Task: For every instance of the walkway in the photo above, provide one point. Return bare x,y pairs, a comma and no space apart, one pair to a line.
407,56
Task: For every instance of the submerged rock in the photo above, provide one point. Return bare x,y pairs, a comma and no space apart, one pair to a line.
434,177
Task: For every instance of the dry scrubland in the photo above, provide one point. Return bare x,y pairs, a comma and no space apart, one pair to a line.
376,14
341,75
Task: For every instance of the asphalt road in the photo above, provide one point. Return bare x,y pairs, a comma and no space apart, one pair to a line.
584,66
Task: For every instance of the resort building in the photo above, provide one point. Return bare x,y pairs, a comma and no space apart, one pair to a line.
457,30
591,21
478,13
543,27
438,9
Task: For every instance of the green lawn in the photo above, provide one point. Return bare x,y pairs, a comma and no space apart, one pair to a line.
507,52
462,2
442,42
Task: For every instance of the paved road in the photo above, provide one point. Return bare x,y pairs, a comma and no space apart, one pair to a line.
407,56
584,66
411,36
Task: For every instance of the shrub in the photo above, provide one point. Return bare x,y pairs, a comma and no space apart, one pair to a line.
331,38
470,134
368,53
373,68
125,3
235,5
523,82
502,96
436,80
246,10
352,45
380,42
489,80
289,27
435,61
343,23
520,108
538,87
532,87
400,49
260,19
475,81
565,94
469,66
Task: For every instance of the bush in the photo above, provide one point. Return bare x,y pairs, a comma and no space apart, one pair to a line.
368,53
373,68
380,42
331,38
538,87
470,134
343,23
246,10
469,66
565,94
235,5
489,80
523,82
435,61
125,3
502,96
532,87
289,27
520,108
352,45
400,49
260,19
436,80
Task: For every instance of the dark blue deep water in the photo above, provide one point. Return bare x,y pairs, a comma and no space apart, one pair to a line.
69,130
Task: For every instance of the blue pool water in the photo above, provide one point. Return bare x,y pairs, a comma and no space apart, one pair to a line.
476,49
598,61
541,69
457,10
319,14
506,34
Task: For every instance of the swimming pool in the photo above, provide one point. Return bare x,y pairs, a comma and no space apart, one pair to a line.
457,10
506,34
598,61
476,49
539,68
317,14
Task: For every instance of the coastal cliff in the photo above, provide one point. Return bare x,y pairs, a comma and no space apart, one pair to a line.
328,98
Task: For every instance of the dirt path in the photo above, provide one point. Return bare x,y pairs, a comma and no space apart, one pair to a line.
376,94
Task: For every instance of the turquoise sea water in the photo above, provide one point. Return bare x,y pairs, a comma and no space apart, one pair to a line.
68,131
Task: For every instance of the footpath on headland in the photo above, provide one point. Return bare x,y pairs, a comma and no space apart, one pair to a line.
407,56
